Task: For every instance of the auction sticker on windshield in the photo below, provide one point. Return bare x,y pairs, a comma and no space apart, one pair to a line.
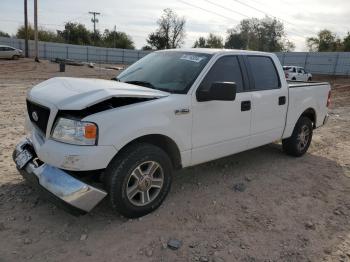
192,58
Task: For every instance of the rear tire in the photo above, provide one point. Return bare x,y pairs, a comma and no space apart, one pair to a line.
15,57
309,79
298,144
138,180
293,79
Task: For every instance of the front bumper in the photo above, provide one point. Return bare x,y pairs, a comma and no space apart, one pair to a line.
65,190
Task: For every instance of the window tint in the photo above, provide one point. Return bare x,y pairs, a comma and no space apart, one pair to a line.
225,69
300,70
2,48
264,73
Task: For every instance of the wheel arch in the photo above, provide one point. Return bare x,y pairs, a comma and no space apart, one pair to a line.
311,114
162,141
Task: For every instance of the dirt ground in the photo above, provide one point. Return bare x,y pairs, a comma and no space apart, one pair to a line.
285,208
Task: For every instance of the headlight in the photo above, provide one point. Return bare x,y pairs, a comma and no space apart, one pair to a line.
75,132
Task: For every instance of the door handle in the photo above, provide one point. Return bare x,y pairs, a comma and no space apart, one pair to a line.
281,100
245,105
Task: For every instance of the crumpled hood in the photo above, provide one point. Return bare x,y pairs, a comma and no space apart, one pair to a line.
68,93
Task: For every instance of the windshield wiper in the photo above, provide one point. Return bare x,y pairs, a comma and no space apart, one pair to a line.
141,83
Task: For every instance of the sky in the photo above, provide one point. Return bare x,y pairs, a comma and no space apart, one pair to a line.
301,18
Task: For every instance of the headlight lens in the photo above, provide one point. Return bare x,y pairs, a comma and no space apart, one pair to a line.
75,132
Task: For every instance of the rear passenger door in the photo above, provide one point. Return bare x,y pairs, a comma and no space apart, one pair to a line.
269,101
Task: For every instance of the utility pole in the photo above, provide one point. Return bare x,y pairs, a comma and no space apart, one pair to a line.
36,30
114,40
94,20
26,28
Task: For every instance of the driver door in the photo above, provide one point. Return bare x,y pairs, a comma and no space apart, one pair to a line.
221,128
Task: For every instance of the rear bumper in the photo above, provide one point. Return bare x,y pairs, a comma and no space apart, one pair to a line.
64,189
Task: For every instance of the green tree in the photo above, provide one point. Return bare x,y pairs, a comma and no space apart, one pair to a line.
170,32
346,43
117,40
212,41
78,34
325,41
4,34
266,34
43,35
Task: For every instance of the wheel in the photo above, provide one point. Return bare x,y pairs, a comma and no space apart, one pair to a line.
138,180
309,79
15,57
293,79
299,142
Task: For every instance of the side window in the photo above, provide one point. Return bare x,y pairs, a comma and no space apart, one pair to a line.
264,73
1,48
294,70
300,71
225,69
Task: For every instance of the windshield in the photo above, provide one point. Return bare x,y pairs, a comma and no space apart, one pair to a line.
173,71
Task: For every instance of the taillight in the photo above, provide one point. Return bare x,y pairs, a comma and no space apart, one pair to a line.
329,99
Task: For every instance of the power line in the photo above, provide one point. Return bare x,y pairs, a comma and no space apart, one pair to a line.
265,13
226,8
206,10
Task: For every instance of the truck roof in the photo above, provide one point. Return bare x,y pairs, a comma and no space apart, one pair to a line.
215,51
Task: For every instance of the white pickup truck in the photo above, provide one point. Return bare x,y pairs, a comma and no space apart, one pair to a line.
297,73
122,138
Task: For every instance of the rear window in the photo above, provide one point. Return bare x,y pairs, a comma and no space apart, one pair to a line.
264,73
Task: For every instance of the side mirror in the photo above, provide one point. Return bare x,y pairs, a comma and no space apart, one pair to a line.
221,91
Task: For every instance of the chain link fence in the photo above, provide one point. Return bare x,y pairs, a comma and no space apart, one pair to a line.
323,63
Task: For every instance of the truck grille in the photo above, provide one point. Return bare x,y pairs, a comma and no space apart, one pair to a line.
39,115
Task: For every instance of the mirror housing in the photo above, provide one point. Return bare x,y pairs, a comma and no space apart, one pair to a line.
220,91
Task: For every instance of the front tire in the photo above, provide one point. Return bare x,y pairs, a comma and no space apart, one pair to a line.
138,180
298,144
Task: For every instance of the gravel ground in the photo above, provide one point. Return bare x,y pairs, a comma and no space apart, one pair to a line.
259,205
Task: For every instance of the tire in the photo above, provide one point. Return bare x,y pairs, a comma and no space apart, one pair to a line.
131,172
299,142
293,79
15,57
309,79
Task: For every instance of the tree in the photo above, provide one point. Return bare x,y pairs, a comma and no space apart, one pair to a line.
265,34
43,35
75,33
325,41
4,34
346,43
170,32
213,41
117,40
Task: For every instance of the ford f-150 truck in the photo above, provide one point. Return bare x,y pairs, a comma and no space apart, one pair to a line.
122,138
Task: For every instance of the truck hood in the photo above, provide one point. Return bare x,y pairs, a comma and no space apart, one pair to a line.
68,93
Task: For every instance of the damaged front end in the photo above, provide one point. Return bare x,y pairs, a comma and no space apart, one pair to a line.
63,189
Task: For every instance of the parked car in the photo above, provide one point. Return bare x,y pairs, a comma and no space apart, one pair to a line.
297,73
10,52
170,110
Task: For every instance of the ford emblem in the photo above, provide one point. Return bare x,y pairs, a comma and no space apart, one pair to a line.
35,116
